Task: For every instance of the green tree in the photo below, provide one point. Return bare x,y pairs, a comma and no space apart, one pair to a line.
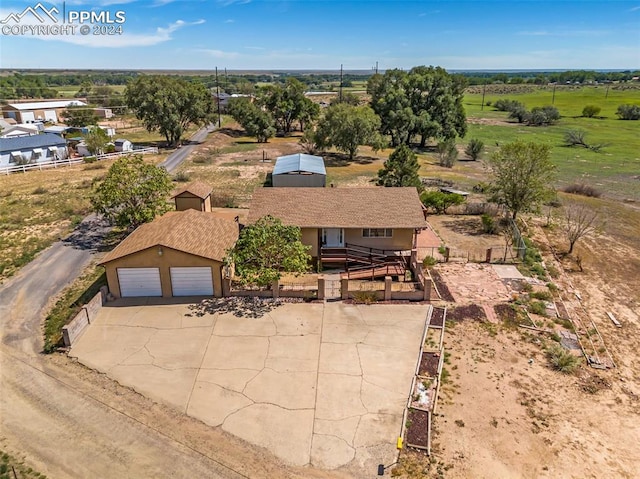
169,105
522,173
401,169
347,127
589,111
265,250
426,101
96,140
288,104
439,201
79,116
474,149
543,115
255,121
132,193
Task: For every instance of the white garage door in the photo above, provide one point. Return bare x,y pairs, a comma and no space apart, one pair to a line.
194,281
50,115
139,282
28,117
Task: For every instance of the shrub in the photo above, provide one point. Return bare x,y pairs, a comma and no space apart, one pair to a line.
90,159
583,189
489,224
589,111
364,297
519,113
40,190
429,262
95,166
439,201
545,115
447,153
481,187
541,295
537,307
474,149
575,138
562,360
507,105
181,177
628,112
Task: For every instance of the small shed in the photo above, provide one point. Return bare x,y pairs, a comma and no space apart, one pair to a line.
123,145
194,196
299,170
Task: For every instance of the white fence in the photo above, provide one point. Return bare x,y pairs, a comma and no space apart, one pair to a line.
72,161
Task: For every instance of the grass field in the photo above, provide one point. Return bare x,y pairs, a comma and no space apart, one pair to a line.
614,169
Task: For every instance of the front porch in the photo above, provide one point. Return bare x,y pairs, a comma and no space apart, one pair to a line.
362,262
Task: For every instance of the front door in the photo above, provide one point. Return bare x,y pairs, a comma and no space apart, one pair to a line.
333,237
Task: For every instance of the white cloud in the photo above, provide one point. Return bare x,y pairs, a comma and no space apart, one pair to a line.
226,3
229,21
218,53
634,9
566,33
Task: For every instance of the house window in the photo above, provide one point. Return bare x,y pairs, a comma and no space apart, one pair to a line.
37,154
16,157
377,232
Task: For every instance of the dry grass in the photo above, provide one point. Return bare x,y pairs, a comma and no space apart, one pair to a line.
39,207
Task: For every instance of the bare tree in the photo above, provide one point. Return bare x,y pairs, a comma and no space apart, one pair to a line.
579,221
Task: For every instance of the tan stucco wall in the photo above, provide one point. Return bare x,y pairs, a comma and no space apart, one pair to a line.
310,238
189,202
149,258
401,239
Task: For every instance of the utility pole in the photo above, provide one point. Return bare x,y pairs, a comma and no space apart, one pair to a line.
218,98
226,81
553,98
484,89
376,68
340,83
606,95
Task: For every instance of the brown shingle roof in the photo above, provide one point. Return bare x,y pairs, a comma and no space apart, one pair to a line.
374,207
197,188
195,232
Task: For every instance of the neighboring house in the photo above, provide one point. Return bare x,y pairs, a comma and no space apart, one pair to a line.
299,170
18,130
32,149
382,219
224,98
179,254
123,145
30,112
58,130
196,196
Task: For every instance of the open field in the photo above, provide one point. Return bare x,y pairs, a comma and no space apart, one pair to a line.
39,207
614,169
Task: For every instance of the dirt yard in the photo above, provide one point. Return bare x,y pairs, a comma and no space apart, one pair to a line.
503,411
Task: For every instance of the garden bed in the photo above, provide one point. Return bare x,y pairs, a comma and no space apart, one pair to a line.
441,286
424,393
429,364
437,317
470,311
418,425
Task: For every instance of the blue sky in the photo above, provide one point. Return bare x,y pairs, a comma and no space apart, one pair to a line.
301,34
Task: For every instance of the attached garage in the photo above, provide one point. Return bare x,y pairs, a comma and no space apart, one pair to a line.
136,282
178,254
191,281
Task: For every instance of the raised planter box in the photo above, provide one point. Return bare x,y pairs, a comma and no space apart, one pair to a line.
418,432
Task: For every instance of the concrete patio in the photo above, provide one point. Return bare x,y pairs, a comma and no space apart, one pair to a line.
320,384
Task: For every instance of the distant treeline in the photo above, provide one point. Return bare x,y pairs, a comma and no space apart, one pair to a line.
46,85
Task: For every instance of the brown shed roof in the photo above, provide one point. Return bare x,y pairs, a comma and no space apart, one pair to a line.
373,207
196,232
197,188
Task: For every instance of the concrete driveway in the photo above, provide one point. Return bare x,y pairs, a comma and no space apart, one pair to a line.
320,384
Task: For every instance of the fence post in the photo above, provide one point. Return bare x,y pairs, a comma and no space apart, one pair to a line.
426,286
488,257
344,288
320,286
275,289
447,252
226,287
387,288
